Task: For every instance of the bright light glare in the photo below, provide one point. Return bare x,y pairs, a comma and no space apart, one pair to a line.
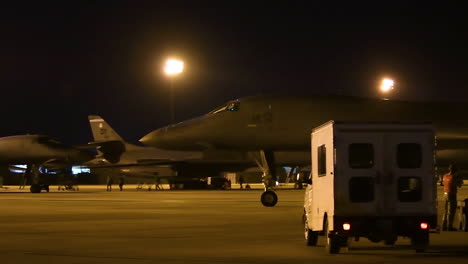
346,226
424,225
80,169
173,67
387,85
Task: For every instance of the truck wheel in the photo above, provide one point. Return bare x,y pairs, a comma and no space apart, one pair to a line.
269,198
420,241
332,245
463,224
311,237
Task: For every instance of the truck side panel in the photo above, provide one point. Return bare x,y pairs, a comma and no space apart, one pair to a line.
322,171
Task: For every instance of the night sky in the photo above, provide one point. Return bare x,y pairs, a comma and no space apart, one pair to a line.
61,62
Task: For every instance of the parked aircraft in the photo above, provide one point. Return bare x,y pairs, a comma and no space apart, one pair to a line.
40,151
268,124
134,154
147,162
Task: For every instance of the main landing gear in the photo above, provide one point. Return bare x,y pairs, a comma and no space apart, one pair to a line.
32,173
37,188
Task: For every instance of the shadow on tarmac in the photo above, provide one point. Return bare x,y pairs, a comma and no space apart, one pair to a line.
441,251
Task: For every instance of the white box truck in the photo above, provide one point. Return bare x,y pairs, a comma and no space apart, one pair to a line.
371,180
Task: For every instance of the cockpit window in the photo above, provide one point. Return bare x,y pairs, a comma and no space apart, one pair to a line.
231,106
234,106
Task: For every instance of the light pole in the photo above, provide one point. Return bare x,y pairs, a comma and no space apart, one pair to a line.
173,68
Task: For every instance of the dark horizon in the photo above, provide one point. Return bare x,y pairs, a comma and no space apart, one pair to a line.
61,63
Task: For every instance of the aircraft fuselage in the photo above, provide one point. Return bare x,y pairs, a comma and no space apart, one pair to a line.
37,149
285,123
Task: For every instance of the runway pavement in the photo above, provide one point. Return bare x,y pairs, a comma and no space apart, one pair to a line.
138,226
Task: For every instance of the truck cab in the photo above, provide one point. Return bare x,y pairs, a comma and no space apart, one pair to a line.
371,180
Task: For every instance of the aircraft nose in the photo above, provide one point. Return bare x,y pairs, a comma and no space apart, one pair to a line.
152,138
175,137
161,138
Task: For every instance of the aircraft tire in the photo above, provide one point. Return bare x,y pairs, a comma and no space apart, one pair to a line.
269,198
35,188
390,241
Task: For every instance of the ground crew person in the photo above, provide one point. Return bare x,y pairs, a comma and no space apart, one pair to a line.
121,182
241,181
451,182
110,181
157,182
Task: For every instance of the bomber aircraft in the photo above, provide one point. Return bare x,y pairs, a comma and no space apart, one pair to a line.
147,162
270,127
40,151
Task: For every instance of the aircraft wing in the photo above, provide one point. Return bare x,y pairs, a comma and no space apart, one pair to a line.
194,168
99,163
155,161
163,162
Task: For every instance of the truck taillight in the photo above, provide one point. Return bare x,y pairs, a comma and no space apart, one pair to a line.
424,225
346,226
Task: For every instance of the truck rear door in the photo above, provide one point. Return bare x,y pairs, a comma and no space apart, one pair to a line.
384,173
358,170
410,174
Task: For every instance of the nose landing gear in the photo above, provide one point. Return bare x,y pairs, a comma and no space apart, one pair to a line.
269,198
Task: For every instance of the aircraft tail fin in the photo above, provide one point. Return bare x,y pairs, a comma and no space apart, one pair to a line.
101,130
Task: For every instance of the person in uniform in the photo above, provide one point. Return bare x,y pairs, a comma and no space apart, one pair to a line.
110,181
241,181
451,181
121,182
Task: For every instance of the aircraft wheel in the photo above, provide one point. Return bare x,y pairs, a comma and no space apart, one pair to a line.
35,188
269,198
390,241
332,245
311,237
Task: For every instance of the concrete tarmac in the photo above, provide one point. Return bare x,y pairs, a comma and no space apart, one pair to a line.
95,226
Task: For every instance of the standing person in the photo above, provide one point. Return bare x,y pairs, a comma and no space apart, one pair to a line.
451,182
110,181
157,182
241,181
121,182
